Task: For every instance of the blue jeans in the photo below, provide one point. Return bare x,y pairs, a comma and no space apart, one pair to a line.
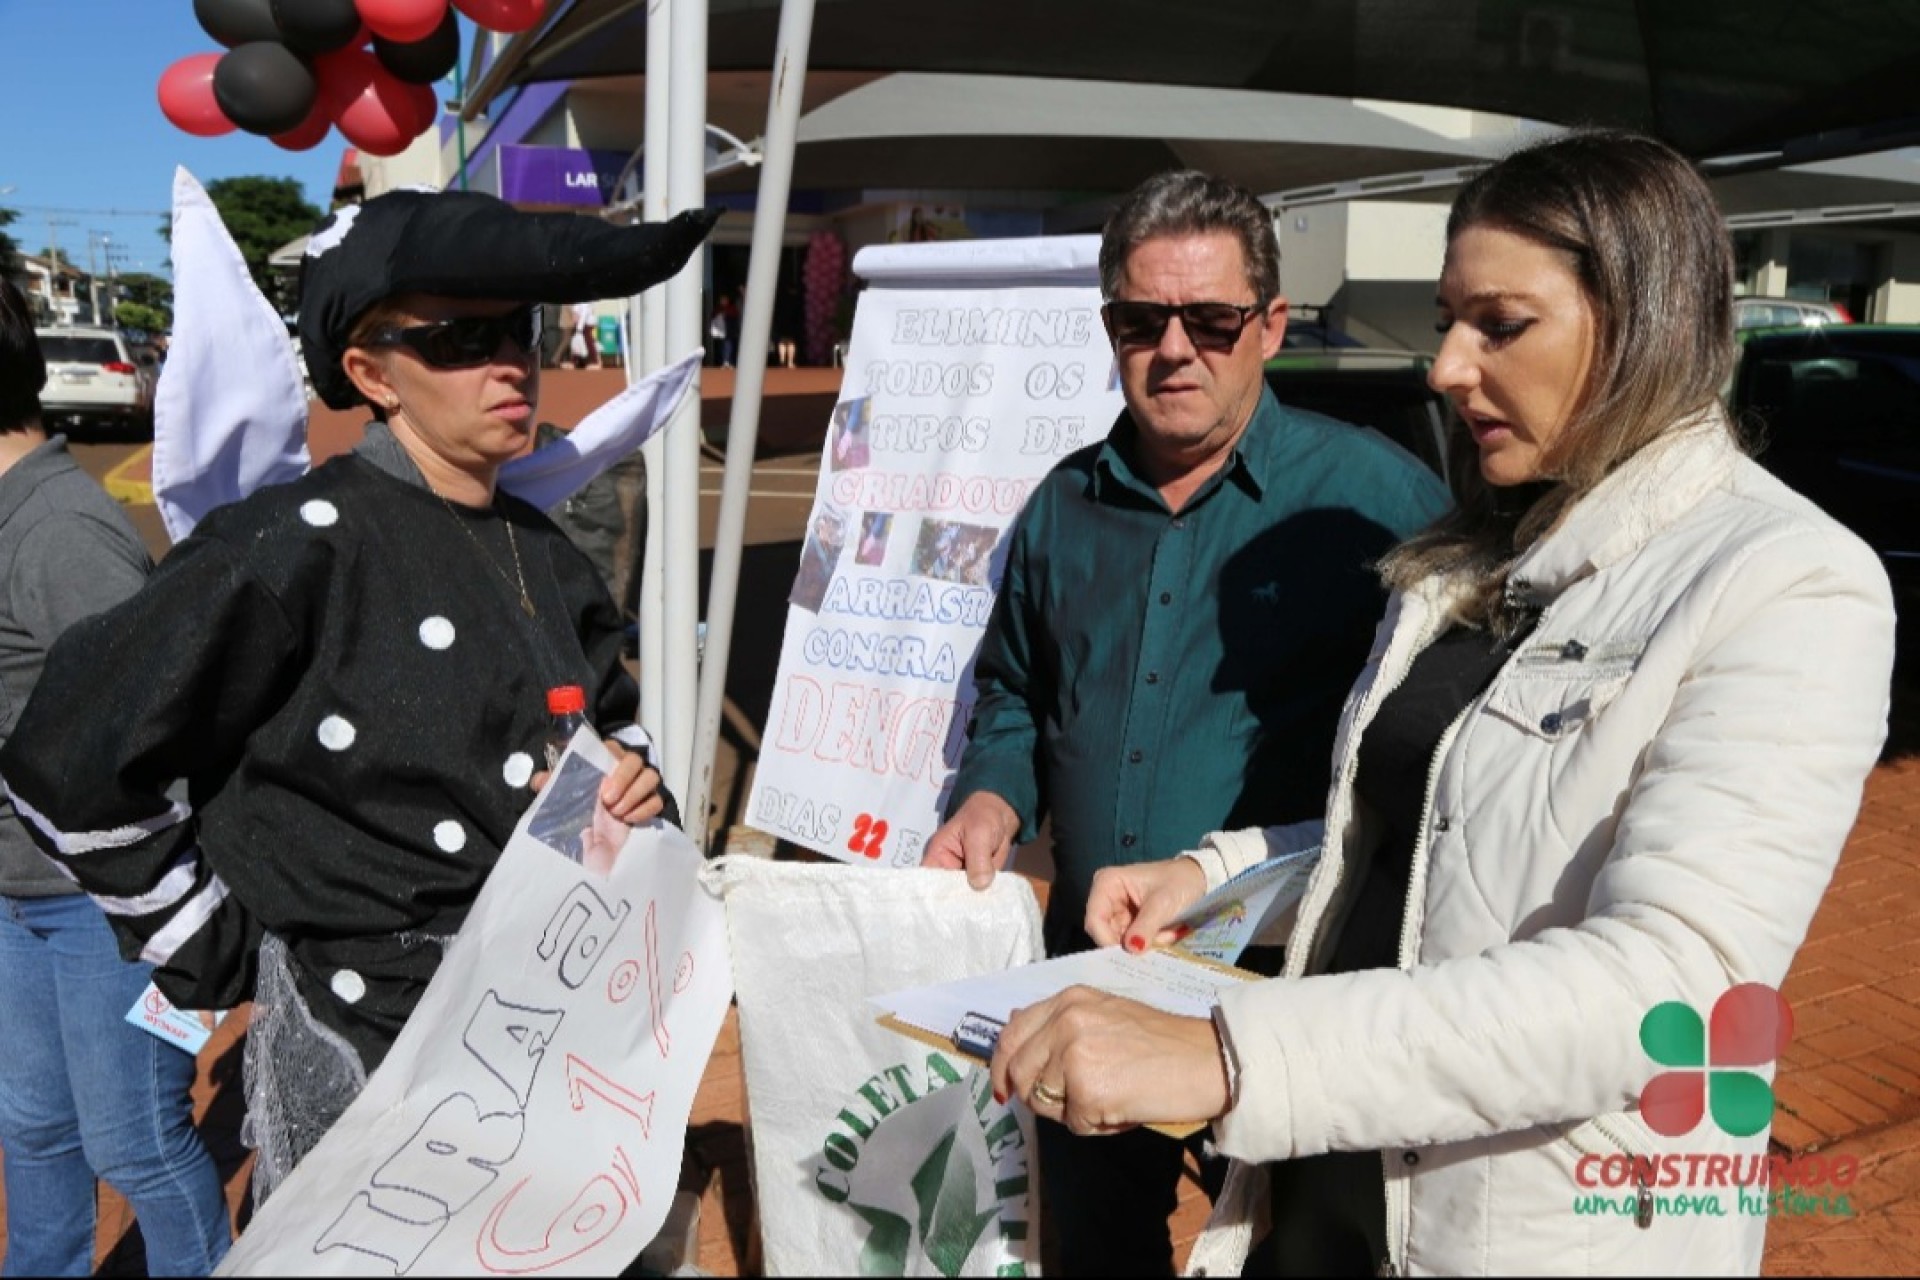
85,1093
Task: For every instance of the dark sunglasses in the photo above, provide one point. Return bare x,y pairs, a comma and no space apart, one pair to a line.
468,341
1211,326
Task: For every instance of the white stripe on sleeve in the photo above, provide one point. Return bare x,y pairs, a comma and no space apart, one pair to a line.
78,842
174,886
185,923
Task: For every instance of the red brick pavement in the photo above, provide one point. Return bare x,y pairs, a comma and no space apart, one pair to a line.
1849,1084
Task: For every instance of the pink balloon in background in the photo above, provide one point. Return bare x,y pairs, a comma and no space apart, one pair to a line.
507,16
402,21
186,97
373,110
309,133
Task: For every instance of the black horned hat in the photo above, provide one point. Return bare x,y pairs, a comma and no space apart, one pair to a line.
463,244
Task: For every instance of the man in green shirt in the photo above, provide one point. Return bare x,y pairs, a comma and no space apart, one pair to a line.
1184,608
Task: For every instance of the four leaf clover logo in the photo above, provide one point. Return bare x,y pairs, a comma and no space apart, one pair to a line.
1750,1027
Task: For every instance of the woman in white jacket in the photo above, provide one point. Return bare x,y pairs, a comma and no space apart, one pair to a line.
1603,757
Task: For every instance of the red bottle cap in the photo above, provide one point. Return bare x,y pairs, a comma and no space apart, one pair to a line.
566,700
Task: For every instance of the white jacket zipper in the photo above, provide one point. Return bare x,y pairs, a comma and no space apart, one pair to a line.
1643,1204
1313,908
1397,1195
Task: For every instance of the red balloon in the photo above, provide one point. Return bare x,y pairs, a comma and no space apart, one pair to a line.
425,103
309,133
373,109
186,97
402,21
503,15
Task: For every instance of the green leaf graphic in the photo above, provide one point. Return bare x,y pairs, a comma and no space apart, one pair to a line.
949,1223
1742,1102
1674,1036
885,1253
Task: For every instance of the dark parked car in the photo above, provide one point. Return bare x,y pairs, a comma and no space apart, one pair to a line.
1835,412
1385,390
1312,335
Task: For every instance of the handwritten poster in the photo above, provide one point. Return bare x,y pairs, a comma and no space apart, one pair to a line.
973,369
530,1120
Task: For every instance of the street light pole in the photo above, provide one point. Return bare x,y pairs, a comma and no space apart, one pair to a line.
93,279
113,297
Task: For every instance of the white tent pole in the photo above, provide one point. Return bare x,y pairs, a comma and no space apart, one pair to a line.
743,422
686,329
653,355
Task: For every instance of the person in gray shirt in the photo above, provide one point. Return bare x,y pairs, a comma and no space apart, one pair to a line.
83,1093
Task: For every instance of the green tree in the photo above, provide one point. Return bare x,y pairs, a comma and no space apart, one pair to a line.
261,215
152,294
138,315
9,249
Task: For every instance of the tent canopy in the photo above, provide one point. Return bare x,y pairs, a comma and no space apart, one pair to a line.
982,133
1713,77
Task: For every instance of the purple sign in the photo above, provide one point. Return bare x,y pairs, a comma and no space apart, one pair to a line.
558,175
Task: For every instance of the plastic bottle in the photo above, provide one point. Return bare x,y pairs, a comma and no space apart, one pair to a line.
566,713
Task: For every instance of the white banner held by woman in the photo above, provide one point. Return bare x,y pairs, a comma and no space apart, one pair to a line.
533,1113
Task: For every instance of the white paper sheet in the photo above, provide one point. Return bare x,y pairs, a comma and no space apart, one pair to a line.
1162,979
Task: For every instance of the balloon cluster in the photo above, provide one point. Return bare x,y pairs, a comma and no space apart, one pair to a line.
295,68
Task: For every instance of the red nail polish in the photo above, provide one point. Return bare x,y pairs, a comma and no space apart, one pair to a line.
999,1098
1181,931
1134,944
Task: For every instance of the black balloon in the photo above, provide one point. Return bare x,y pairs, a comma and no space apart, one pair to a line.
236,22
316,26
264,87
422,61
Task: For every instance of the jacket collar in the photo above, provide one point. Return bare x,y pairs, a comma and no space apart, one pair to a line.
383,450
1646,494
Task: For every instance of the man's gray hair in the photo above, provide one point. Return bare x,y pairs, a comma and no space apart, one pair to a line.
1186,202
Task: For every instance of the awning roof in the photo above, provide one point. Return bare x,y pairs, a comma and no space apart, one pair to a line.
949,132
1712,76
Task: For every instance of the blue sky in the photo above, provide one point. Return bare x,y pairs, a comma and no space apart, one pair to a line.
83,135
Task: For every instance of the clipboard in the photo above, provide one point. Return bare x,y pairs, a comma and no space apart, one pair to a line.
947,1043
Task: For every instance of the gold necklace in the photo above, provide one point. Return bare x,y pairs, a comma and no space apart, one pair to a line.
519,578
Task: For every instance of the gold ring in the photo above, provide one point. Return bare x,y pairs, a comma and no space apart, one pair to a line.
1043,1092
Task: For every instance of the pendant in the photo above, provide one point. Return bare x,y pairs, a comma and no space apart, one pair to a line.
526,603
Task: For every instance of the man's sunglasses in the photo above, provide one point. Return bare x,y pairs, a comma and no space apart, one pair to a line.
1211,326
468,341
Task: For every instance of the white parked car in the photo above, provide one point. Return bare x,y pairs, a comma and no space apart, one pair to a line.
1774,313
96,378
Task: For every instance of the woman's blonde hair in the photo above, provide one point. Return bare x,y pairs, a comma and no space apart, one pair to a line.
1642,234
